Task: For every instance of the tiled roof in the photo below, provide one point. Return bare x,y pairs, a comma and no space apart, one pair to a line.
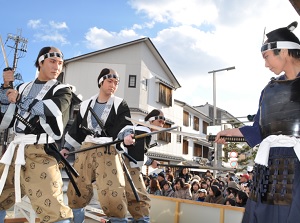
164,156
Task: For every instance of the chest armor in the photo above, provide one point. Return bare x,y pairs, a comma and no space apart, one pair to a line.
280,108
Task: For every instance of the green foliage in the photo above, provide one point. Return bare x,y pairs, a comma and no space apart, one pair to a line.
245,149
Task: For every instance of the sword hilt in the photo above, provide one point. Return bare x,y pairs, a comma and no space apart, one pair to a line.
212,138
24,121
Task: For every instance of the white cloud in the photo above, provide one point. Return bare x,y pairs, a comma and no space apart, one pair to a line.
34,24
191,12
58,25
201,36
52,32
98,38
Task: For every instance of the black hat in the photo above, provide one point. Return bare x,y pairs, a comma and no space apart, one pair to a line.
161,174
282,38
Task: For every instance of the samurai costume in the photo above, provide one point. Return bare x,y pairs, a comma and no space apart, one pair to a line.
103,165
28,167
275,193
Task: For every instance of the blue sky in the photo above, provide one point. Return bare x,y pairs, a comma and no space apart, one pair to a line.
193,36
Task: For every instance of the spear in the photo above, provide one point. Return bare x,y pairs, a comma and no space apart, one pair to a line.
5,134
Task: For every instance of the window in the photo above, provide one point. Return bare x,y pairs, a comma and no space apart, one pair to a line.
165,94
205,152
132,81
197,150
165,136
185,147
204,130
185,118
196,123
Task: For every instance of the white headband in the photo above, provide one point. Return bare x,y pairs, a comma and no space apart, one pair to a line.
280,45
48,55
108,76
157,118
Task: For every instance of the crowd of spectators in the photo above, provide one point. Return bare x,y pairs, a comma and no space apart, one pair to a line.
230,190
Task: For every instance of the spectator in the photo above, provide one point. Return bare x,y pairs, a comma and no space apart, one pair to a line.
195,189
241,198
214,195
182,189
154,187
208,181
244,178
161,179
202,195
196,177
146,181
185,174
167,189
230,201
170,178
232,189
208,174
203,185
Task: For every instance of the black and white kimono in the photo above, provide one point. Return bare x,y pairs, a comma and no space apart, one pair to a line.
45,107
48,114
112,126
102,165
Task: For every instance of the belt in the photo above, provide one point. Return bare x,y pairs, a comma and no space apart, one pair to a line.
262,155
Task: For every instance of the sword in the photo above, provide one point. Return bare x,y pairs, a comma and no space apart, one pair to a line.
140,136
5,134
56,154
209,138
161,128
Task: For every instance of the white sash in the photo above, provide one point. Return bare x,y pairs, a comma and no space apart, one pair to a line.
262,155
97,140
22,140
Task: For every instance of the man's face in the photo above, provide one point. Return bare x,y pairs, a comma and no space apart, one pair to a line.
51,67
202,194
109,86
160,178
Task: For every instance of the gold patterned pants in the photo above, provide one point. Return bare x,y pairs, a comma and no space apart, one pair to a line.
104,167
41,181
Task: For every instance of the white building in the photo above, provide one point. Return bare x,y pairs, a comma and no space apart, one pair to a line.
146,82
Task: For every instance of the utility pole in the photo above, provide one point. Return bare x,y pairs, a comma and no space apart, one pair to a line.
217,148
20,48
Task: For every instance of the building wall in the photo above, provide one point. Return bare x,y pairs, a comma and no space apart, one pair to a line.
137,60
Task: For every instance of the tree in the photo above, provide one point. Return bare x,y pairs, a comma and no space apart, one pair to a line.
245,149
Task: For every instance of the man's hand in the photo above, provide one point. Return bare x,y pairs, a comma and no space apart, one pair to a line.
12,95
129,140
227,132
64,152
8,76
